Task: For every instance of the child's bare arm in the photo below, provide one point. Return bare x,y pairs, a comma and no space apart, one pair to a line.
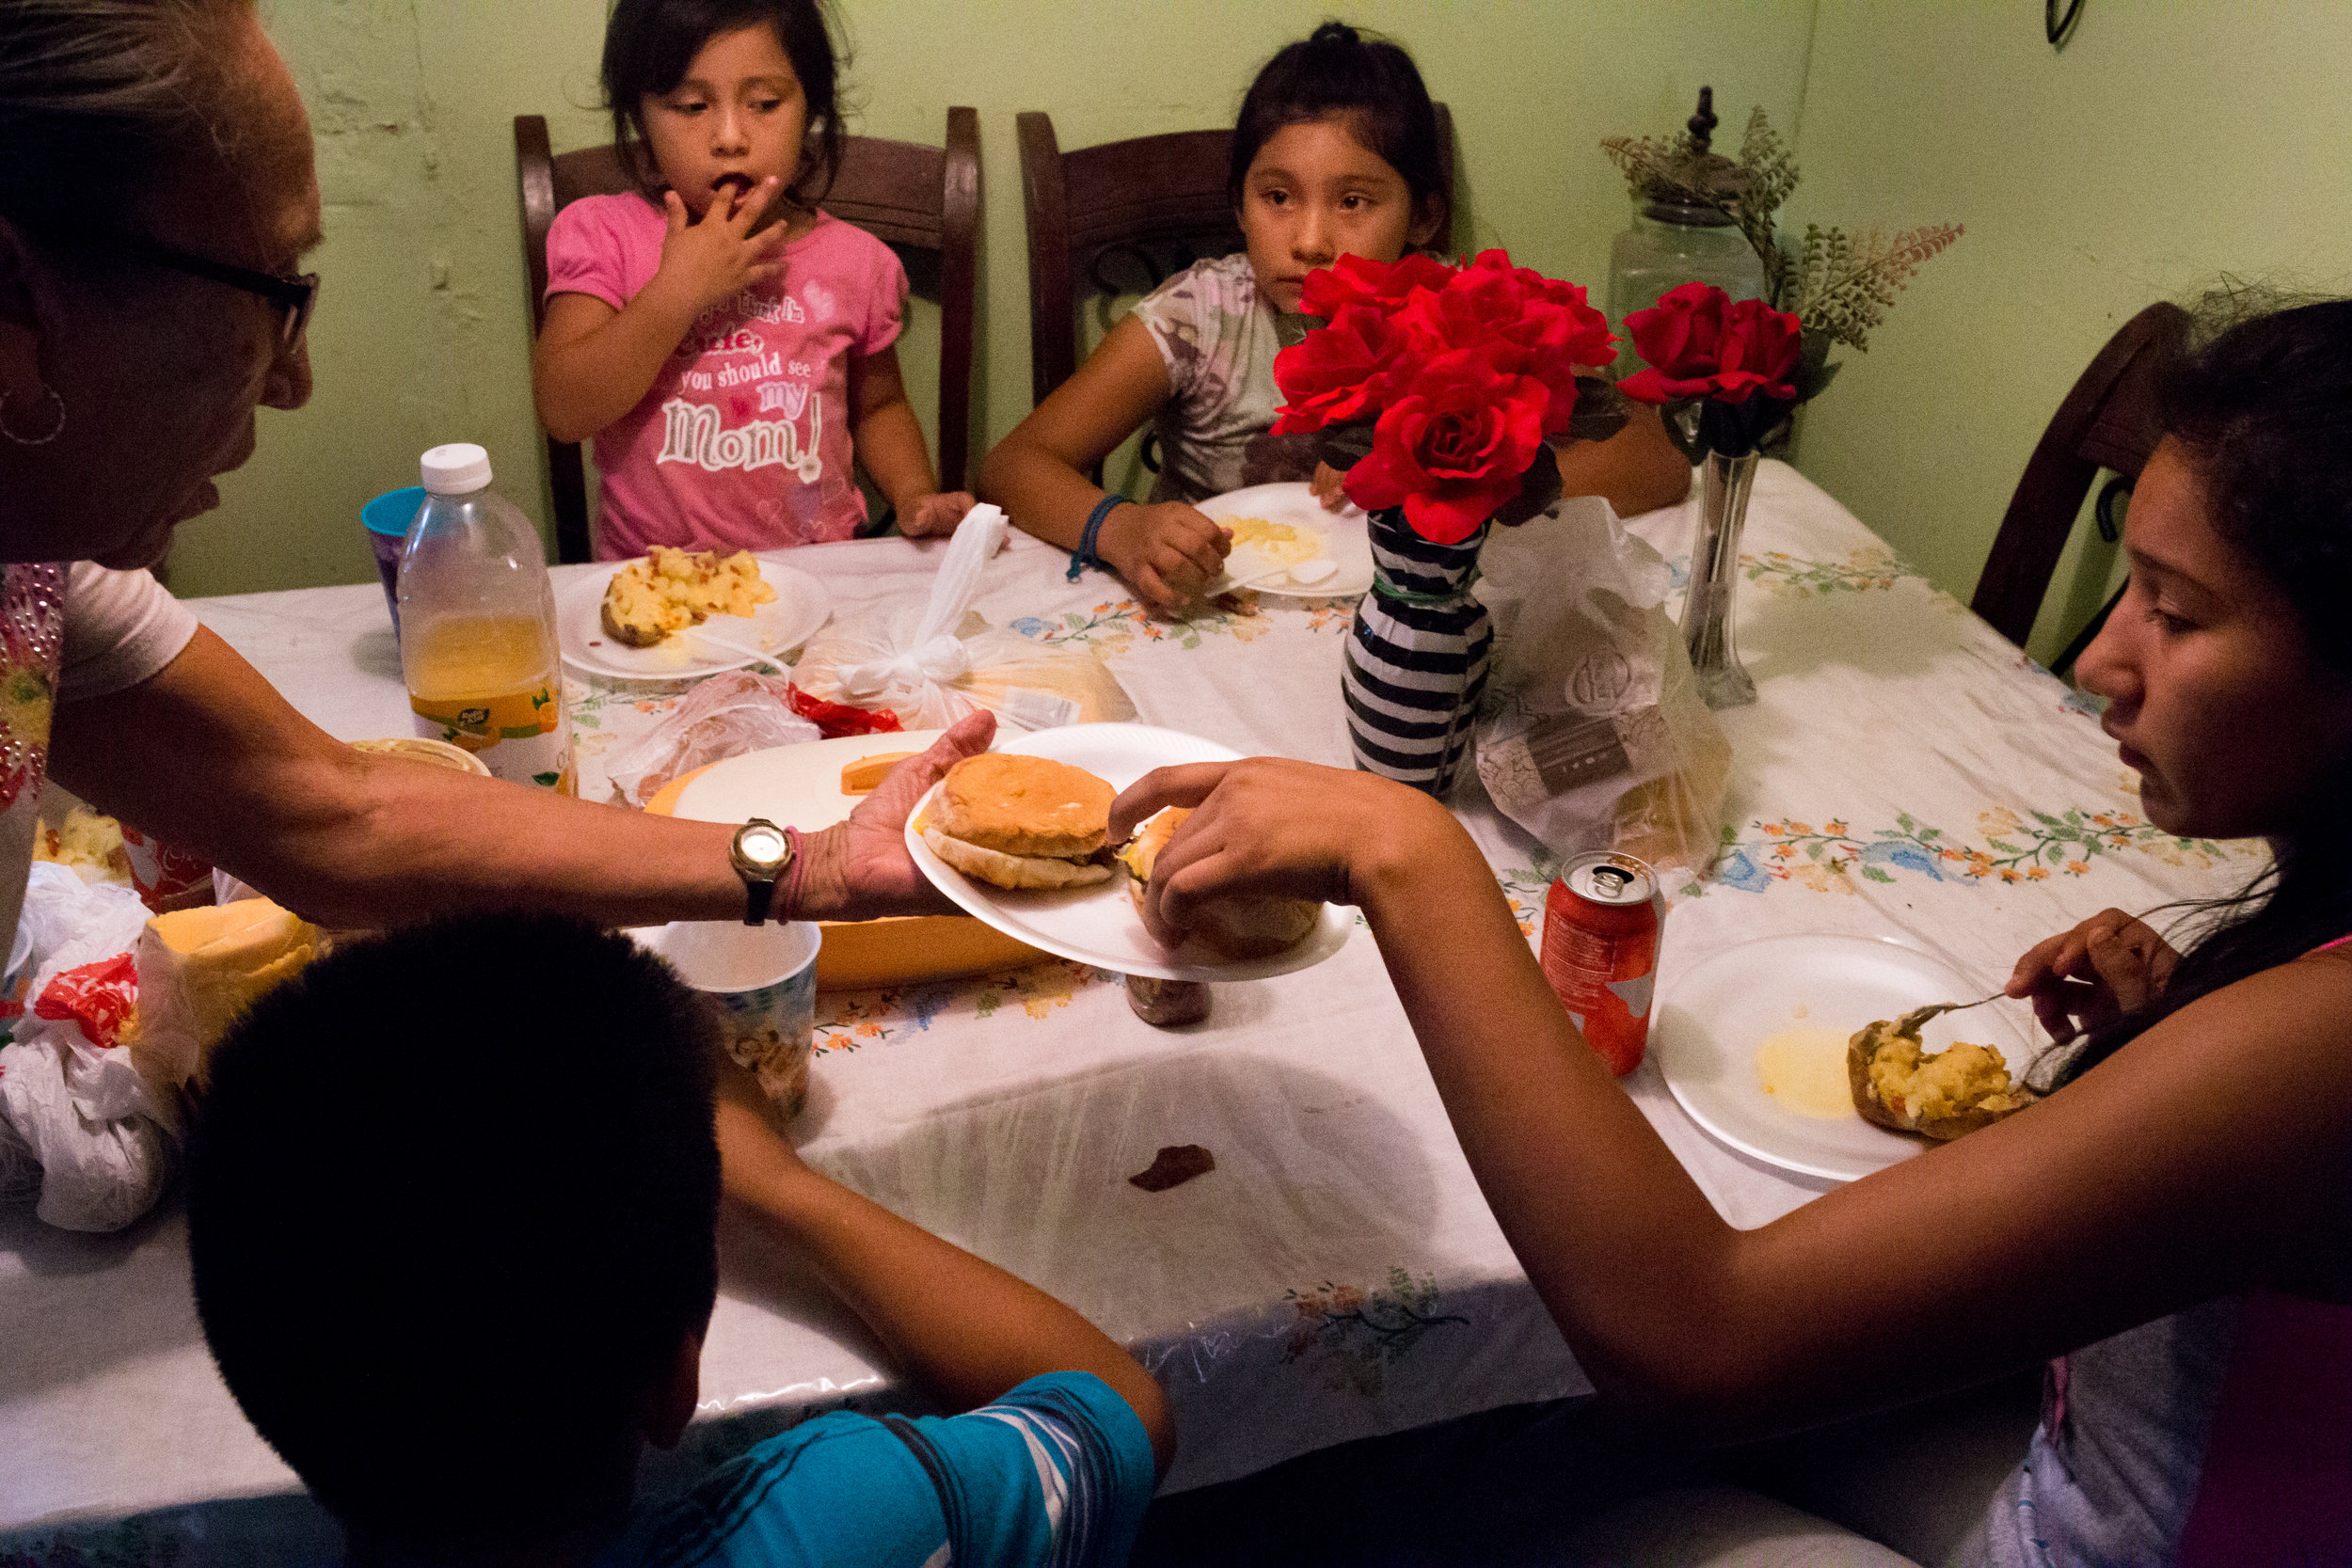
965,1329
594,364
1637,469
1037,474
889,445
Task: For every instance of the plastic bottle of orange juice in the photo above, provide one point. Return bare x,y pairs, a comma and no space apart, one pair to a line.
477,625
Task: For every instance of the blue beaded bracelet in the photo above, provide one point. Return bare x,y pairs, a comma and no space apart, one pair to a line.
1084,556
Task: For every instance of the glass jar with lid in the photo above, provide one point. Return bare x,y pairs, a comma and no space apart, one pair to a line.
1683,230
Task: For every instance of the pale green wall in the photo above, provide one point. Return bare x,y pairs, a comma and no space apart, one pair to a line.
2166,144
421,335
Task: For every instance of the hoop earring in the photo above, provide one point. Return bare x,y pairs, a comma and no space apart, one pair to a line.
57,427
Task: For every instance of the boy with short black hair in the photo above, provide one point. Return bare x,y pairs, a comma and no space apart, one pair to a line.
451,1208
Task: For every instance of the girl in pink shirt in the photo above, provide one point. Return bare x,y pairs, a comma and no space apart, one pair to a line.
728,345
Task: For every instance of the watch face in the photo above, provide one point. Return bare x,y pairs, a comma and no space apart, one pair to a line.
761,843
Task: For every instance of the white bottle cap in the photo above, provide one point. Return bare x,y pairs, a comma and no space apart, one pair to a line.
456,469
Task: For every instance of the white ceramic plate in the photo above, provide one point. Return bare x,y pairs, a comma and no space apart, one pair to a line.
1345,541
1712,1017
800,606
799,786
1099,924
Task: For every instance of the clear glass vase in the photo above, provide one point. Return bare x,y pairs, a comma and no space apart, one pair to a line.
1710,625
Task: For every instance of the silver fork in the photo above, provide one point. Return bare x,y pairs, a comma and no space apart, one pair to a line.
1909,1023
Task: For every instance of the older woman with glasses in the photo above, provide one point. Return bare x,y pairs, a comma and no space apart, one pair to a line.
157,194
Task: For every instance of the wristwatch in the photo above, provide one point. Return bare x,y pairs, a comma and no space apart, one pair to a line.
761,853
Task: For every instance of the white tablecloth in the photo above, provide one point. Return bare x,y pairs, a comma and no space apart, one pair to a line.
1905,771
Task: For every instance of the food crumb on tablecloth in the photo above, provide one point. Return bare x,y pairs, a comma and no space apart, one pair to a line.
1173,1166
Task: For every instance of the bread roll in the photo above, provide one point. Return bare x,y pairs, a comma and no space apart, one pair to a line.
1024,805
1013,871
1241,928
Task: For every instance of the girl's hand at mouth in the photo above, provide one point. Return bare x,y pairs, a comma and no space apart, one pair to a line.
712,259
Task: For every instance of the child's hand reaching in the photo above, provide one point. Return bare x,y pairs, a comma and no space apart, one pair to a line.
1326,487
1165,552
755,1145
929,516
718,257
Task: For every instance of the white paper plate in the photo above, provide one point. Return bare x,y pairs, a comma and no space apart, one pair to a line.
1346,541
1099,924
1712,1016
800,606
799,786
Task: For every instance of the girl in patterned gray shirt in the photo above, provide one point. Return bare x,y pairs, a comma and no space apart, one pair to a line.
1335,152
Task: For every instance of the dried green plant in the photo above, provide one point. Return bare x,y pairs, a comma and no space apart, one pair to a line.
1844,285
1648,165
1772,171
1837,286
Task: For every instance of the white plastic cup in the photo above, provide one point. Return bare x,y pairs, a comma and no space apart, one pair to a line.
762,980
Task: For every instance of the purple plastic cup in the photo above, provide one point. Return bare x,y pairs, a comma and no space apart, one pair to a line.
387,519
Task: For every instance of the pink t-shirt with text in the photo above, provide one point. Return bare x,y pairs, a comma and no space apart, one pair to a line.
744,441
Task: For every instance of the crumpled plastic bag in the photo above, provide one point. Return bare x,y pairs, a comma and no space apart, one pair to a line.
933,665
726,715
100,1137
1594,735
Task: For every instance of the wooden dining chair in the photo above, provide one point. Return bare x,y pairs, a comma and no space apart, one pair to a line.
917,199
2108,421
1122,217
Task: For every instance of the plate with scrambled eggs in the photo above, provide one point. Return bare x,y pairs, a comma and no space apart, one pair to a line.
1752,1042
1282,529
637,620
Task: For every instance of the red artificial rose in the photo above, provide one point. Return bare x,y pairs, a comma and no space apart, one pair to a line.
1523,322
1453,446
1700,342
1354,280
1340,373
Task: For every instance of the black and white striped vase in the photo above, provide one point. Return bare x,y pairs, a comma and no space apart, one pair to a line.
1417,655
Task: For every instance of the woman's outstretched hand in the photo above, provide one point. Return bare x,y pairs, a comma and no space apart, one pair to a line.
2083,980
868,853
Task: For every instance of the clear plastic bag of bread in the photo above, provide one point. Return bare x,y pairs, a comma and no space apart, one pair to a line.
933,663
1593,734
724,716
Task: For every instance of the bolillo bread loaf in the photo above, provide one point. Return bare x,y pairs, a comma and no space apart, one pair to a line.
1240,928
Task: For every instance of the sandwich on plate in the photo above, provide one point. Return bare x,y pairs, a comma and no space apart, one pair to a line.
1020,821
1240,928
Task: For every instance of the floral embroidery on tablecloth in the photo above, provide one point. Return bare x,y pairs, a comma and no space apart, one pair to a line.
1335,615
1357,1334
847,1020
1117,625
2080,701
1526,887
1872,566
2030,847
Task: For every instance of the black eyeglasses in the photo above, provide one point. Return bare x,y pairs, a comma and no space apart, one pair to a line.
296,297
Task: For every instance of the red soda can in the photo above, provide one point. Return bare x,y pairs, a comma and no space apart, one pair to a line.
1601,952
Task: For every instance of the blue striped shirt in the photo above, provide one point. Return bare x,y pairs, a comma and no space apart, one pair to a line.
1057,1472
